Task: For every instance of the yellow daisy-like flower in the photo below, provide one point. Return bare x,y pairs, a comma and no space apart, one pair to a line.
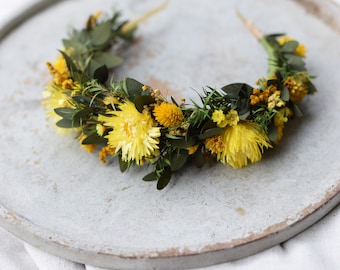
168,114
301,49
280,119
135,134
239,144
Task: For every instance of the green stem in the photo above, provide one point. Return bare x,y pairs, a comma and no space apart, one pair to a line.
272,58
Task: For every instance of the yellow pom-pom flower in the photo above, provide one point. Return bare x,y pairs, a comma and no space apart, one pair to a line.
239,144
135,134
168,114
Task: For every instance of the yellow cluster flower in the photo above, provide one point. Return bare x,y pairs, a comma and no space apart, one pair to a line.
239,144
222,120
259,95
168,114
297,87
105,152
135,134
301,49
280,118
274,100
60,72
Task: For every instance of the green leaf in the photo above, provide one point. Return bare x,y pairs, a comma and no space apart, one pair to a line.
289,46
133,87
273,134
311,88
84,100
150,177
66,113
284,94
66,123
123,166
107,59
210,133
102,33
294,60
70,65
164,178
297,112
183,142
93,138
101,74
179,159
141,101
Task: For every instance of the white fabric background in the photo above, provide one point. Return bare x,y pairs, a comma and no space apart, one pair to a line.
317,248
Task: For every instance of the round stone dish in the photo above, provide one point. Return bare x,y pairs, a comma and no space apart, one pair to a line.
61,199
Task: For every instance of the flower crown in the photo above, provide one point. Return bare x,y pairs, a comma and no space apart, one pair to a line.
137,124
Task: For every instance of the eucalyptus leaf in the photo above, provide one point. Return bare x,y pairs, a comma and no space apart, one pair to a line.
294,60
289,46
141,101
133,87
179,159
284,94
101,34
164,178
311,88
107,59
101,74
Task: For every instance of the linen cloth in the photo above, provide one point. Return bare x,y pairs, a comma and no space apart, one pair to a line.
317,248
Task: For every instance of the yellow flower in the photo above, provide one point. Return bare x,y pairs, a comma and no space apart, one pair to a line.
100,129
135,134
219,118
55,97
104,152
280,118
297,87
192,149
60,72
239,144
168,114
274,100
301,49
232,118
222,120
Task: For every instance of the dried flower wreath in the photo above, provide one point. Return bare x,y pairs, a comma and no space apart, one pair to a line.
136,123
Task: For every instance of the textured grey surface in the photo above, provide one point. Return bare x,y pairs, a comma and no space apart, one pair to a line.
63,200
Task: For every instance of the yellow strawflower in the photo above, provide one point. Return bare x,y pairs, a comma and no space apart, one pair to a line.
239,144
135,134
168,114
